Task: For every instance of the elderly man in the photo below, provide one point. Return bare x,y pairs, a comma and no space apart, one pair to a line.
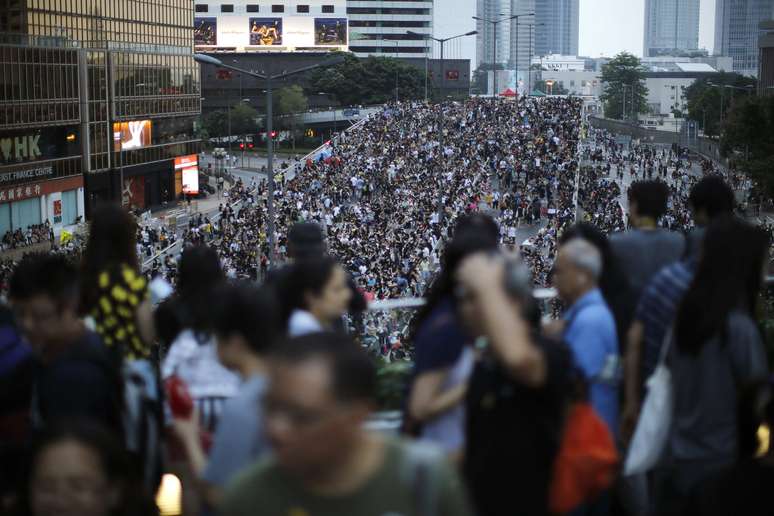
589,325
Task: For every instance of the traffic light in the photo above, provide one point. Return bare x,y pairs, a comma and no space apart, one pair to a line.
274,134
242,146
250,145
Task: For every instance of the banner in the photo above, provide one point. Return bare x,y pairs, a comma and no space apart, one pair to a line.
206,31
131,135
265,31
330,31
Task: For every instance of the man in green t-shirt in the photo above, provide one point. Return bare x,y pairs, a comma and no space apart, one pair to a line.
325,463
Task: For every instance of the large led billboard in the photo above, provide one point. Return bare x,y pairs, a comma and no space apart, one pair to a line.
234,32
131,135
265,31
206,31
330,31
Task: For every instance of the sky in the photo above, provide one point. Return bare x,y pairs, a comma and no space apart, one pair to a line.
606,27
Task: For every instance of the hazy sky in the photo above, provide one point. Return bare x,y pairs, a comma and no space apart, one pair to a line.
606,26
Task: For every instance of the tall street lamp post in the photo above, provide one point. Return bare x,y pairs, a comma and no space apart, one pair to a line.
495,23
207,59
442,41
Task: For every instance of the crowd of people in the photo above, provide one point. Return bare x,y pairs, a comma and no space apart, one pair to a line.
34,234
260,401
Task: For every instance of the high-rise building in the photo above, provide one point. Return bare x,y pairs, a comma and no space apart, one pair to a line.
557,26
671,27
521,33
766,46
490,34
379,27
736,31
99,102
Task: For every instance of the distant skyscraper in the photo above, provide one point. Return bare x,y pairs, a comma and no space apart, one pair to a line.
378,27
736,31
485,40
520,33
671,26
559,34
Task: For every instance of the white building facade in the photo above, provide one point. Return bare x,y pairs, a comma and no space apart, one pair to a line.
380,28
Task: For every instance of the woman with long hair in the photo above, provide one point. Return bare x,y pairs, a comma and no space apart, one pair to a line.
114,293
192,354
442,364
716,352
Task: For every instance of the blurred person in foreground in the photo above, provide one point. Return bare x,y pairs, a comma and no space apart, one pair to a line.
518,391
75,375
79,469
244,327
717,351
442,362
645,248
709,199
325,463
589,328
114,293
314,296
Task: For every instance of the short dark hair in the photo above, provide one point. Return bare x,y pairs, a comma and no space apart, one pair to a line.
305,241
353,374
45,274
247,311
651,197
713,195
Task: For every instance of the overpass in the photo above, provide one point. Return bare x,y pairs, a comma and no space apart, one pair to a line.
330,116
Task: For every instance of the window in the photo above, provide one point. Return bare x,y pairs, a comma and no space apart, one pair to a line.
328,9
227,8
253,8
302,8
277,8
202,8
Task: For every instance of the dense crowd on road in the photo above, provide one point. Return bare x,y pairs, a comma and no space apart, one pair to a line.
258,399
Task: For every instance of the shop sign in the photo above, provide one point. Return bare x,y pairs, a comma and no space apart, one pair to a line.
19,193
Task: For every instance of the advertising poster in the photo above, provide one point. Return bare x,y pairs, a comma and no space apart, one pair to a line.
189,166
330,31
266,31
131,135
205,31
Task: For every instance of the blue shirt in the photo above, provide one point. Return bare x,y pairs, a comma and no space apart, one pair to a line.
591,336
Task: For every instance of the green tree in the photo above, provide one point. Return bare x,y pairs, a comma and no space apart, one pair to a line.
556,89
624,75
291,101
215,123
369,81
243,119
748,139
704,100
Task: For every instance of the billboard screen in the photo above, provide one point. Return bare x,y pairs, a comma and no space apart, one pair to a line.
131,135
265,31
189,166
330,31
205,31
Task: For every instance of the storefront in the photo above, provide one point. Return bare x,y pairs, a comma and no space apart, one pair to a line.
58,201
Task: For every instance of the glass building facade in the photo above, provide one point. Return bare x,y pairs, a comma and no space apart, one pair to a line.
559,31
671,26
100,90
736,31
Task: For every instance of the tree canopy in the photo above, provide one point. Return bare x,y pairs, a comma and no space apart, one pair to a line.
369,81
623,80
704,99
748,138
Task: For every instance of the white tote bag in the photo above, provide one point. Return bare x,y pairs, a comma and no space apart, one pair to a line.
652,432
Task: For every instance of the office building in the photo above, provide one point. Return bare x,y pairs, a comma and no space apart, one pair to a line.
270,25
97,104
378,27
490,34
766,46
671,27
736,31
558,33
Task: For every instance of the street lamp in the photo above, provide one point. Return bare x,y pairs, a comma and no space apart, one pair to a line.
207,59
495,23
442,41
531,49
